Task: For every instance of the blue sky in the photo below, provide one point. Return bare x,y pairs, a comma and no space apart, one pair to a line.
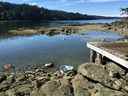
92,7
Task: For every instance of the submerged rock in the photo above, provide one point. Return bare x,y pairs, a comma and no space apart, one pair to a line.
66,68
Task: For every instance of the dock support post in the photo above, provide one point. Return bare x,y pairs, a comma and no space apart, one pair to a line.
104,60
92,56
99,58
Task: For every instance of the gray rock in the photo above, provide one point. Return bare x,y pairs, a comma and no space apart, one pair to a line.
103,91
2,78
4,86
40,81
21,77
10,92
81,85
57,75
70,75
56,88
95,72
2,94
117,84
114,70
23,90
125,88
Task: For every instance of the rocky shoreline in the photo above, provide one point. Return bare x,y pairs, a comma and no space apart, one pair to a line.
88,80
120,27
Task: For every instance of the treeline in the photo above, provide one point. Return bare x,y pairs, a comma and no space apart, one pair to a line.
9,11
124,11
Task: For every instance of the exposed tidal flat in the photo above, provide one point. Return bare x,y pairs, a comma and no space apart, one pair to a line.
68,29
119,27
41,27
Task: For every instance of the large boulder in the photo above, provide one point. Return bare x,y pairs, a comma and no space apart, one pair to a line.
84,87
94,72
60,87
81,85
23,90
104,91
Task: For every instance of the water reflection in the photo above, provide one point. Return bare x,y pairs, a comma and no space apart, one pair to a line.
40,49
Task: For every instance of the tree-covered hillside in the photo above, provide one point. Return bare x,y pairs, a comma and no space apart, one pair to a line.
9,11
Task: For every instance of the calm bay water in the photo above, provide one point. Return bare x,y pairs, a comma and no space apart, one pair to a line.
40,49
7,25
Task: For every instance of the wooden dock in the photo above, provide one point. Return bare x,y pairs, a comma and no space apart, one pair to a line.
116,52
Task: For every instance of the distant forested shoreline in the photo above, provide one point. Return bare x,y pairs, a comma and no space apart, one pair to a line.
9,11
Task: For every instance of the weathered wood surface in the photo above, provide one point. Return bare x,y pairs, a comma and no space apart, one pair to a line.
111,51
